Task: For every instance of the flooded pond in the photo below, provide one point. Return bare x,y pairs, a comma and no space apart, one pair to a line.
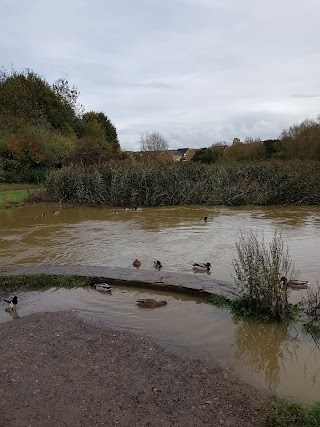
271,357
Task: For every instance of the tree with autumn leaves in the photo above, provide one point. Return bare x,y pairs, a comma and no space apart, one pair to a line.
43,125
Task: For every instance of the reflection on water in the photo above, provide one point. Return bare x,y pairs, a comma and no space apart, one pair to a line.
12,312
283,357
313,359
266,348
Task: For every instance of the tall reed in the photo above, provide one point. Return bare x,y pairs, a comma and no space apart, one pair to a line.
156,184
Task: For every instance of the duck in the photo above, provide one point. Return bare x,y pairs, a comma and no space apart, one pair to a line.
207,218
157,264
150,303
55,212
294,284
102,287
13,302
136,263
201,266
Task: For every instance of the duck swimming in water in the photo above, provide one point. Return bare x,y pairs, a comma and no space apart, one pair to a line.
207,218
157,264
294,284
198,266
13,302
102,287
150,303
136,263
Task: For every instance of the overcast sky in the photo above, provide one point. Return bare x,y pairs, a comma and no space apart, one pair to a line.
198,71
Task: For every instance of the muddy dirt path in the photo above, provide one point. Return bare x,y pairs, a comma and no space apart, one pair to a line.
58,369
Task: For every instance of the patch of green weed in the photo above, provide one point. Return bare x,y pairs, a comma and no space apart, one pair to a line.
286,414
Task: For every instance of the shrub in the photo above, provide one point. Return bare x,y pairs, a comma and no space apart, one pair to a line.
15,171
258,271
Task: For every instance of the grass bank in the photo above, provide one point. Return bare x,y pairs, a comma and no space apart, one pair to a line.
18,194
37,281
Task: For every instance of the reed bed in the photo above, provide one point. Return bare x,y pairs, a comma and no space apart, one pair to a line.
158,184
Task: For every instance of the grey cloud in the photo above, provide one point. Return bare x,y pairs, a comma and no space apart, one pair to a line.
305,95
199,71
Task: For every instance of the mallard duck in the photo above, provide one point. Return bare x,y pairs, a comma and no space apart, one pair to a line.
136,263
13,302
201,266
55,212
295,284
102,287
207,218
157,264
150,303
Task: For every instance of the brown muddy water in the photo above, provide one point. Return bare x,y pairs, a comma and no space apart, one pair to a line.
280,359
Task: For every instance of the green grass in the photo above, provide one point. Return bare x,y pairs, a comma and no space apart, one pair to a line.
35,281
16,194
289,414
219,301
313,416
286,414
18,186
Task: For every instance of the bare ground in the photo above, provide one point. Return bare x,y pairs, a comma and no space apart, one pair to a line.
58,369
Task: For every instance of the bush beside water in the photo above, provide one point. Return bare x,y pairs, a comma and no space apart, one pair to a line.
156,184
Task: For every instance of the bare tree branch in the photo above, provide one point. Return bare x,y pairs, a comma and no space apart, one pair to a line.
153,141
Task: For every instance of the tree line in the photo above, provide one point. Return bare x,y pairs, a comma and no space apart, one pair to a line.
300,141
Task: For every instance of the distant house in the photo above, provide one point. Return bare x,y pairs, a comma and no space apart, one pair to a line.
187,153
180,154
